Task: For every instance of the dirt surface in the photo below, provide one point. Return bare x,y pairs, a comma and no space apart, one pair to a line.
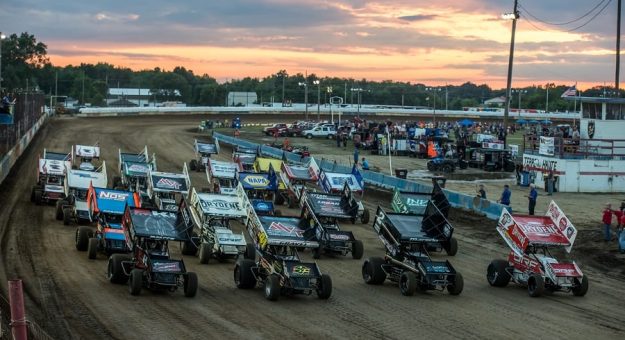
69,296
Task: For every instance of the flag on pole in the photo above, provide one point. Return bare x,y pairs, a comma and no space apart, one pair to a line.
571,92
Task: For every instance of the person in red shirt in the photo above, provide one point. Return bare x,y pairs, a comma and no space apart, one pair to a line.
607,221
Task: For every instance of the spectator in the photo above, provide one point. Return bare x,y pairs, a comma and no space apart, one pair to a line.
285,144
533,195
237,133
338,140
481,192
505,195
365,164
607,222
355,155
550,182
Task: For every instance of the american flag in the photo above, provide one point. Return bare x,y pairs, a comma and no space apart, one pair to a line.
571,92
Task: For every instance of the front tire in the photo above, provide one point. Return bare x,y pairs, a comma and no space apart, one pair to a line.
581,287
188,247
92,248
67,216
83,234
372,272
59,210
407,283
456,287
115,273
135,282
193,165
272,287
497,273
451,247
365,216
535,285
190,284
357,249
324,287
205,252
243,276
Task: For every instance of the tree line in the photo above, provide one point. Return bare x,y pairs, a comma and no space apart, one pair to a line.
25,64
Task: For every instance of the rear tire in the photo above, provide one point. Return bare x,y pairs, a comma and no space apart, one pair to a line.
581,288
324,287
243,276
496,273
250,252
456,287
357,250
83,234
193,164
272,287
115,273
407,283
92,248
59,210
32,195
372,272
365,216
188,247
67,216
135,282
206,250
278,199
451,247
535,285
38,198
316,253
190,284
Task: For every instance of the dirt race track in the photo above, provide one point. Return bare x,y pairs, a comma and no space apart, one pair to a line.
69,296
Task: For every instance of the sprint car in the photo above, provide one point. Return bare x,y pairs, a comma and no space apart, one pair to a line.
279,268
334,182
83,157
149,264
133,170
51,177
266,165
244,158
165,189
74,208
530,261
203,151
222,176
296,178
407,262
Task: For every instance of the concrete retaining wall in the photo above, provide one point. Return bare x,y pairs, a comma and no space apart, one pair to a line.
14,154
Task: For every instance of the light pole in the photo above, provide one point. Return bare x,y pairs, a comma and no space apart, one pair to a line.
520,92
358,90
514,16
318,83
2,37
433,90
305,85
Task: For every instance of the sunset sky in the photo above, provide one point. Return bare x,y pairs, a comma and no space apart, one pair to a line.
431,42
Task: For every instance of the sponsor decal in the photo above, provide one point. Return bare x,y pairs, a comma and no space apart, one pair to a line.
168,183
166,266
262,206
256,181
546,164
85,175
138,168
220,205
285,229
301,270
117,196
341,237
416,203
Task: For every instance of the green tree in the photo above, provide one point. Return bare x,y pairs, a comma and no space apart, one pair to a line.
22,56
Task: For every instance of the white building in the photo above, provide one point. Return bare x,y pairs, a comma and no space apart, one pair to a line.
497,101
241,98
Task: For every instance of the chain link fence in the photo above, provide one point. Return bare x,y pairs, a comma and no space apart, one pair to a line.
29,107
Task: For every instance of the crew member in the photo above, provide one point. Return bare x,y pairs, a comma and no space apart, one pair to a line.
533,195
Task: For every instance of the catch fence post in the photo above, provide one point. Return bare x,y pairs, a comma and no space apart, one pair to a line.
18,317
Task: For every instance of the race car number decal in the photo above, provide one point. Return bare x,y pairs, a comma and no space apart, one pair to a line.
301,270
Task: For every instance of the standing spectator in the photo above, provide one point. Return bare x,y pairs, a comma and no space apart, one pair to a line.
550,182
275,137
505,195
607,222
481,192
285,144
237,133
338,140
355,155
533,195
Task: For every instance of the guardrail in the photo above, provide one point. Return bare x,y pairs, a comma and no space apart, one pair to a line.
492,210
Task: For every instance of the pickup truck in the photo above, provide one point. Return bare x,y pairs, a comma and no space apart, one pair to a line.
325,131
271,130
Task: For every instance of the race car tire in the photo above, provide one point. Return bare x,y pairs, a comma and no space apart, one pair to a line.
431,166
206,250
92,248
451,247
190,284
446,168
316,253
38,198
67,216
193,164
496,273
59,210
357,249
115,272
83,234
278,199
372,272
455,288
407,283
243,276
535,285
365,216
277,213
188,247
32,195
250,252
272,287
290,202
324,287
580,288
135,282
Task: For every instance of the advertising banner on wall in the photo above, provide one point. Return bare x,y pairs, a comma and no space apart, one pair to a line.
547,146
